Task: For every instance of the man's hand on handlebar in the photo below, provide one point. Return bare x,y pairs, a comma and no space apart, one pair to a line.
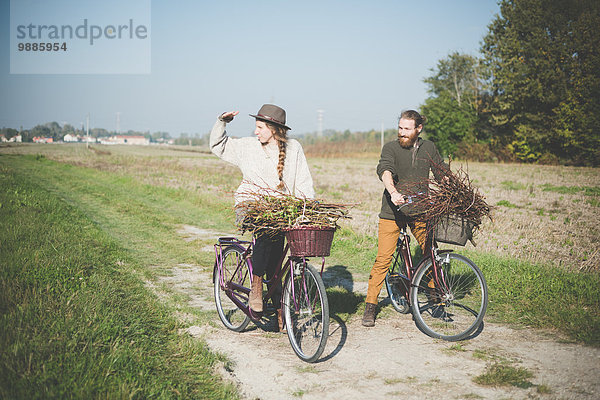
397,198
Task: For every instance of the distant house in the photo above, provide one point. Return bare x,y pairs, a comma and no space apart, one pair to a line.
16,138
39,139
163,141
70,138
124,139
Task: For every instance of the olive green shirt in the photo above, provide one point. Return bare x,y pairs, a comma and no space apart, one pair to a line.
410,170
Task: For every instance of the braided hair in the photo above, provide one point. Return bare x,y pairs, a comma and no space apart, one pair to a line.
280,135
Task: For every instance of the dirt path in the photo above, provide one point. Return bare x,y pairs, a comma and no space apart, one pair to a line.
392,360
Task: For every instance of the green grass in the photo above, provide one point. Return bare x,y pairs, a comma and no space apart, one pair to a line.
77,244
343,303
510,185
455,348
303,369
542,296
506,203
499,374
470,396
594,202
353,250
299,393
484,354
586,190
76,320
543,389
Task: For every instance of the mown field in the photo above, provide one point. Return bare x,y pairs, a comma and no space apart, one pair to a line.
85,230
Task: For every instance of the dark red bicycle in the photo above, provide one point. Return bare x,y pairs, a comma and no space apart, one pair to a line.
446,291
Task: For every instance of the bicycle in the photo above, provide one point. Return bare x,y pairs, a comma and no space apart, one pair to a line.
304,301
446,292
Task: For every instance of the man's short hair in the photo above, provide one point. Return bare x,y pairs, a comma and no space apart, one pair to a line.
414,115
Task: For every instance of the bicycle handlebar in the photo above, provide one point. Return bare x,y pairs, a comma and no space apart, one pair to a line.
408,199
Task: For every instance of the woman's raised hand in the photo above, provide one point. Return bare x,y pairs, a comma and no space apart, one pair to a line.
228,116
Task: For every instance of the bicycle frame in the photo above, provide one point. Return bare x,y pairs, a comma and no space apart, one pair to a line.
235,291
403,252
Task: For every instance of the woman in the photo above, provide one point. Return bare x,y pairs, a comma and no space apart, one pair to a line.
274,162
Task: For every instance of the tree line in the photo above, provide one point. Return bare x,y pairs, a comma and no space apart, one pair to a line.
534,93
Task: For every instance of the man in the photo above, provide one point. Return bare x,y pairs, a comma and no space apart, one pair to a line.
403,168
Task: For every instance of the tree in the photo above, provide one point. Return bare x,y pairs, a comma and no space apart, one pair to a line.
544,56
461,77
68,129
448,124
458,86
55,130
41,131
160,135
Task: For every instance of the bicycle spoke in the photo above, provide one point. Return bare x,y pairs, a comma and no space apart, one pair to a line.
450,302
234,271
306,314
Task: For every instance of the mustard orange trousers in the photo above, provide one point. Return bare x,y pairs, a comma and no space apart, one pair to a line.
386,246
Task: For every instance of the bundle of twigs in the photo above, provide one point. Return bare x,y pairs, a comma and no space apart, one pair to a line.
270,211
452,193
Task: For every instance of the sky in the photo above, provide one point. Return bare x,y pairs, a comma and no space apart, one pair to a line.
360,62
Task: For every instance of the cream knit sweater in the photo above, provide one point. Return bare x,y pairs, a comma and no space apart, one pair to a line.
258,164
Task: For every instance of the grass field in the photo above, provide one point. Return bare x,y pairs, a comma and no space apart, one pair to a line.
544,214
83,231
76,320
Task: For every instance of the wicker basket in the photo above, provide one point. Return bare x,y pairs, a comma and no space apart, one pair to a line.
453,229
310,241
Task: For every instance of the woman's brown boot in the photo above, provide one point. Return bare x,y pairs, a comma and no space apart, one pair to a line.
256,301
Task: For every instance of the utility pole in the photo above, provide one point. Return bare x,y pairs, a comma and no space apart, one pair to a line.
118,123
87,131
382,135
320,122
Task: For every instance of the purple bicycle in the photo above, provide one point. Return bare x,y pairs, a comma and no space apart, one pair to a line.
304,304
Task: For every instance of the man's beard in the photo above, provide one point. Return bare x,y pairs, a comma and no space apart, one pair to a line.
408,142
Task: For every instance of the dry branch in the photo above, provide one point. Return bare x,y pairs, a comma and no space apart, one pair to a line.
271,211
451,193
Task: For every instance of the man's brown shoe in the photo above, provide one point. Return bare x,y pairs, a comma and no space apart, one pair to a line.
256,301
369,316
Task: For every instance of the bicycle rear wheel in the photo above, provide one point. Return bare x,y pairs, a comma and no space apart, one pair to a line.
306,311
451,306
229,313
397,286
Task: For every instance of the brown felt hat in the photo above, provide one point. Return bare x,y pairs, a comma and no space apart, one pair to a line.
272,113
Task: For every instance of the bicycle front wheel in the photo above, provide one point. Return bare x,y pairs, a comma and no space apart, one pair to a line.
234,270
306,311
451,303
